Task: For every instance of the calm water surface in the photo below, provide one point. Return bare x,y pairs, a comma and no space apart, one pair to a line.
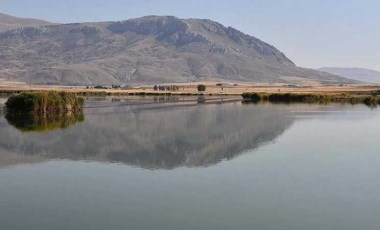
154,164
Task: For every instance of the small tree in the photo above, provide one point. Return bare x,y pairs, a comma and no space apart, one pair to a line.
201,88
155,87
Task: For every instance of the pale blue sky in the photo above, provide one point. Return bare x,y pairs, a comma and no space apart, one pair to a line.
313,33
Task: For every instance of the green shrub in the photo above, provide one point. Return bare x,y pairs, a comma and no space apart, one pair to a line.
370,101
311,98
44,102
254,97
100,87
375,93
201,88
307,98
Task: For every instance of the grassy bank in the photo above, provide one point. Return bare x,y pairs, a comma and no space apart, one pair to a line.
44,102
370,99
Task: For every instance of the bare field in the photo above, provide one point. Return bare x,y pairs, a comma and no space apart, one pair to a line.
191,88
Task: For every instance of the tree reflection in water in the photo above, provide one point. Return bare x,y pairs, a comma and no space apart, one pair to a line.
29,122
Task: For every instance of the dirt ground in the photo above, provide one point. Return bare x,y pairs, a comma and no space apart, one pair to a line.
215,88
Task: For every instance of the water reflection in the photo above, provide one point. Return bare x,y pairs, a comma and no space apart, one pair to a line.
43,122
160,138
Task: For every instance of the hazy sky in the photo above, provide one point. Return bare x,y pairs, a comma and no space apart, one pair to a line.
313,33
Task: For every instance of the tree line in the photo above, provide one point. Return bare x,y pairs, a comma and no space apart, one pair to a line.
175,88
166,87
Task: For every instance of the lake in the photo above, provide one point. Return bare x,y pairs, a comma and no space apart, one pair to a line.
192,163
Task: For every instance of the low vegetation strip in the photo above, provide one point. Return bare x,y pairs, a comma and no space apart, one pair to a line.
311,98
91,92
44,102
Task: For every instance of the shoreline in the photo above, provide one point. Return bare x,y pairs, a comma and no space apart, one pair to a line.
249,92
190,89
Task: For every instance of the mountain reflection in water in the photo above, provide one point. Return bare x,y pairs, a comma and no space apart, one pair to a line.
160,138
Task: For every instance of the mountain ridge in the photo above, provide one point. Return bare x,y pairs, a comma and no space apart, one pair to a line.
355,73
8,22
150,49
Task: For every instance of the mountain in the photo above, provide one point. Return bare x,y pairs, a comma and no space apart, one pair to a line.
359,74
151,49
8,22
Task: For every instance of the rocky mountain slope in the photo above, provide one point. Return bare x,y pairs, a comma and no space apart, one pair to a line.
8,22
152,49
359,74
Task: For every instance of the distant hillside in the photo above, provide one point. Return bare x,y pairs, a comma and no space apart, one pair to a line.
8,22
359,74
152,49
